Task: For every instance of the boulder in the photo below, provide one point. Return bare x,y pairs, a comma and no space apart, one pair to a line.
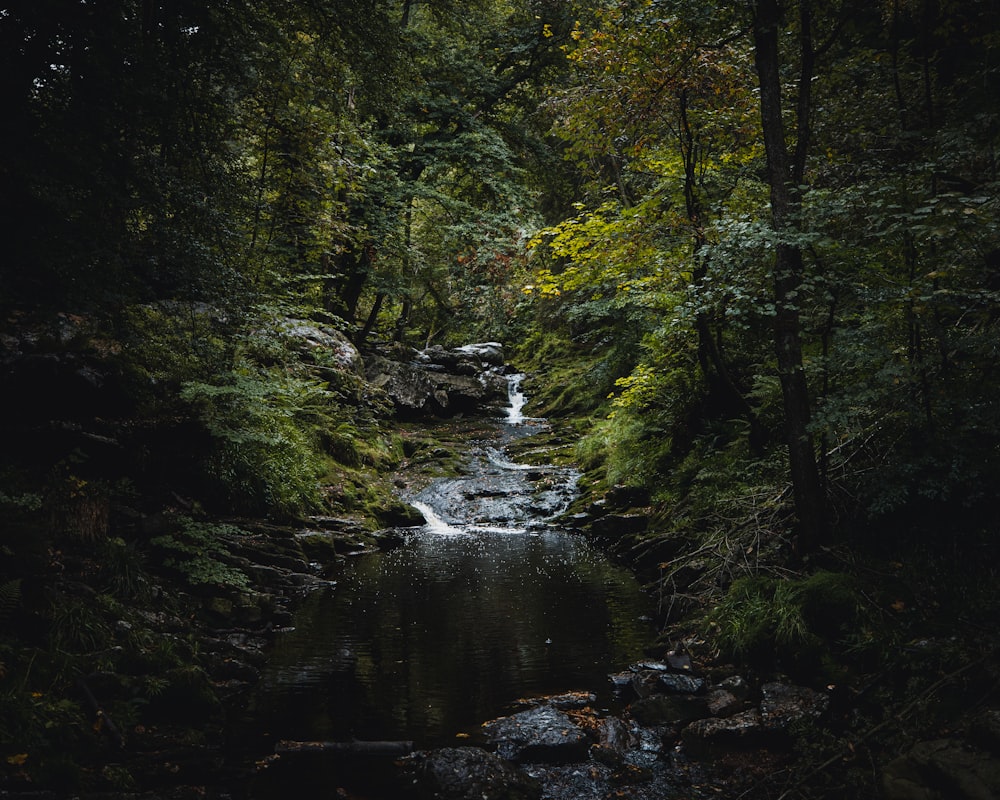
541,734
743,729
426,387
723,703
322,343
468,773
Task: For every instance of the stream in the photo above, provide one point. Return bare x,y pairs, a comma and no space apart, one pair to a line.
487,602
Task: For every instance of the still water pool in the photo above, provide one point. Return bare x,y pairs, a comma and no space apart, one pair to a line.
487,603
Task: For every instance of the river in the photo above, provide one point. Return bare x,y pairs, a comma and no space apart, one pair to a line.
489,601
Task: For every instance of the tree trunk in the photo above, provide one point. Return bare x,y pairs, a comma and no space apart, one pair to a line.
810,499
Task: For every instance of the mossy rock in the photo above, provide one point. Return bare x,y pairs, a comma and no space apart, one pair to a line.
322,547
397,514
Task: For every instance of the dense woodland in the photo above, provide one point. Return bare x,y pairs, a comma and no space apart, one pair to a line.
748,252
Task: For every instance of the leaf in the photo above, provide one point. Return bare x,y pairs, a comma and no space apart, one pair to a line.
17,760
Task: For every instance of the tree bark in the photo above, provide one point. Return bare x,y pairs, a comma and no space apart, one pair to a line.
784,178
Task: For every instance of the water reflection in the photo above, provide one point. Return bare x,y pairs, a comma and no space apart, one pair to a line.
432,638
484,604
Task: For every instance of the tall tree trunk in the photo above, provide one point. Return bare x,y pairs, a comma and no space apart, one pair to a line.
784,177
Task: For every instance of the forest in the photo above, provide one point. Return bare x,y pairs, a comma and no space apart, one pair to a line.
747,254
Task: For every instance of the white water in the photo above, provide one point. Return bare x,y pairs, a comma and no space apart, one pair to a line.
433,522
517,400
497,459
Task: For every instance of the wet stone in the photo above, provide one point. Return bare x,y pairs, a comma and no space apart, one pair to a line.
745,728
621,683
681,684
538,735
468,773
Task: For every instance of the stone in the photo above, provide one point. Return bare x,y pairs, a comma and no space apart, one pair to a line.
468,773
538,735
723,703
424,387
782,704
319,341
736,684
745,728
680,684
621,683
490,353
615,525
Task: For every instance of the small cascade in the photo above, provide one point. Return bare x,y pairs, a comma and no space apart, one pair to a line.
516,398
433,522
498,459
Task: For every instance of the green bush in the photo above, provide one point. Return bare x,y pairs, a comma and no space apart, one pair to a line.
265,457
768,620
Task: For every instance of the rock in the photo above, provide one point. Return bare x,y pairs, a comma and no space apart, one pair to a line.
567,700
621,683
539,735
322,342
397,514
617,525
490,353
679,662
744,729
681,684
737,685
426,386
723,703
942,769
468,773
782,704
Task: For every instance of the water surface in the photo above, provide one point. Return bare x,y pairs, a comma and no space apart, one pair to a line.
486,603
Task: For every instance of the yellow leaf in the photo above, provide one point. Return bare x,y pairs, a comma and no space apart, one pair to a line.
17,760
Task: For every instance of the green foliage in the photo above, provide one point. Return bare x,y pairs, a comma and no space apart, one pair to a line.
76,627
123,565
264,456
199,552
775,620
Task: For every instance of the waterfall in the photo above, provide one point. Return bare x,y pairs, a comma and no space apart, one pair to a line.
434,523
516,398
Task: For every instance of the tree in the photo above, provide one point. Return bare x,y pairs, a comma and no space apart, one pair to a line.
786,173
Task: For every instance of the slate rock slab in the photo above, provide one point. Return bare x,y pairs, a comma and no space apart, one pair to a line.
538,735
